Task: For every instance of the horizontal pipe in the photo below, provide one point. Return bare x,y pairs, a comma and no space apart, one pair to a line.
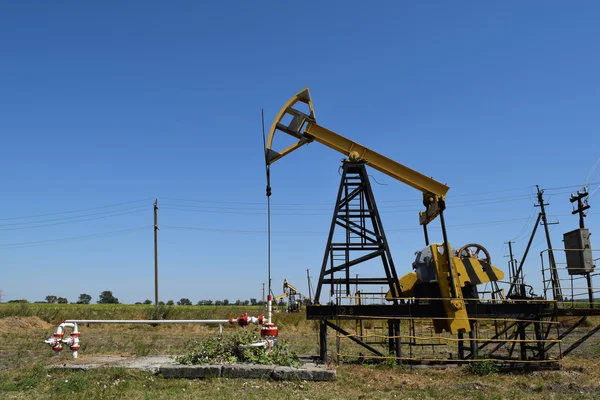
65,324
148,321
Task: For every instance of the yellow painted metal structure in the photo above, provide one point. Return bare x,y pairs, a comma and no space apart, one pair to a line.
288,288
290,291
304,127
467,271
457,319
281,296
408,284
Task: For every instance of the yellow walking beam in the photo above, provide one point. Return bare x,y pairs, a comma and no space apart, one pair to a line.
303,126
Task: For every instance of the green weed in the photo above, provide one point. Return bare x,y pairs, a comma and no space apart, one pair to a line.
483,367
231,349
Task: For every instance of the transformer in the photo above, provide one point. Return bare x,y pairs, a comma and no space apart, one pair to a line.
578,251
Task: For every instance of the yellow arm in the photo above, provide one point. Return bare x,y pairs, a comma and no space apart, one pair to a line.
287,285
303,126
280,297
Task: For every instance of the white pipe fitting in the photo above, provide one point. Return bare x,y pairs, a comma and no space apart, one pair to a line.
58,338
269,308
266,343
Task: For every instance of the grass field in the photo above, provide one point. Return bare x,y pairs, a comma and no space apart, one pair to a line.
23,362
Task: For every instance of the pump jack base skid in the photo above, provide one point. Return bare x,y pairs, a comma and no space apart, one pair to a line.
330,315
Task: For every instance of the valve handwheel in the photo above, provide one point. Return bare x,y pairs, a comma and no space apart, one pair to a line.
475,250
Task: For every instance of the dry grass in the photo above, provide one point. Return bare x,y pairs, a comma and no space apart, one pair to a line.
23,374
12,324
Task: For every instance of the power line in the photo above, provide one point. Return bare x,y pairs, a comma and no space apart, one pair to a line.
502,221
593,193
493,191
74,211
587,178
76,216
523,230
237,212
70,239
498,222
572,186
70,222
386,210
214,201
252,231
455,204
483,203
236,208
195,228
312,205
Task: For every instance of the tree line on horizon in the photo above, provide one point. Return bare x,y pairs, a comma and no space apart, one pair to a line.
107,297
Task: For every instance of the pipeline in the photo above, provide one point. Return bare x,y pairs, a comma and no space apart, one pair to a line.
268,331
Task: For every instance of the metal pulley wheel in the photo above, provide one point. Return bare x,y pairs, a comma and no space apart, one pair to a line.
474,250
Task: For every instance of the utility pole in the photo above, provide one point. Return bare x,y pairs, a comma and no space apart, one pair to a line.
263,292
156,252
582,206
512,261
309,286
519,273
514,272
553,272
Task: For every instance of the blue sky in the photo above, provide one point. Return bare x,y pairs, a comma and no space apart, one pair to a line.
106,107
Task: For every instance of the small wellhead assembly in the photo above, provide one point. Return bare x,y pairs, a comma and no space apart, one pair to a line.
268,331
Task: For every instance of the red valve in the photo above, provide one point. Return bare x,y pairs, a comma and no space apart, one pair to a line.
269,330
58,341
75,346
243,319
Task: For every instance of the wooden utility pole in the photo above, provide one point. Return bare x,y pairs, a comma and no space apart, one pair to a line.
553,272
582,206
309,286
156,252
263,292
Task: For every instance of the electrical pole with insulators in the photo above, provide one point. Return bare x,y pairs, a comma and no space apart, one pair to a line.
582,205
156,252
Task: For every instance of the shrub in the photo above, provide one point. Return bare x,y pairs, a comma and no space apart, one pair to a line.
483,367
231,349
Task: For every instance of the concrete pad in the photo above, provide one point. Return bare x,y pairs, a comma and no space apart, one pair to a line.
303,374
248,371
169,368
191,371
150,364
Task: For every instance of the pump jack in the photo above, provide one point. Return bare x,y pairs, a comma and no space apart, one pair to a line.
294,297
355,188
443,285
